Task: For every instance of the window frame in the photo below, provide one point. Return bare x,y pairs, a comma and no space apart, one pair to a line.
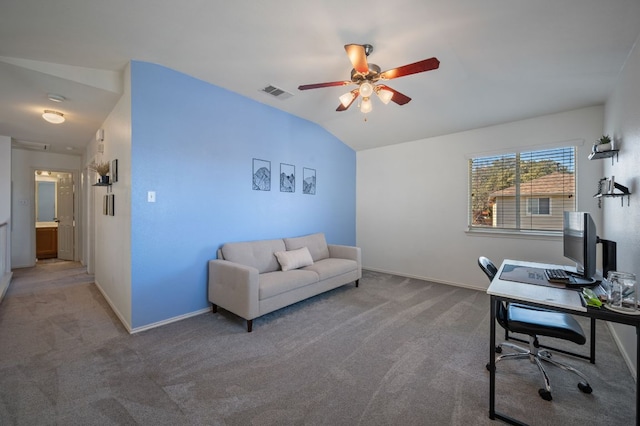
519,231
529,209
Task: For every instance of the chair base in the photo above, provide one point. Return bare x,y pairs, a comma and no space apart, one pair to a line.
537,356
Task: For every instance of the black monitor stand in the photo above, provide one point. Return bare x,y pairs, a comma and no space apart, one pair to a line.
609,256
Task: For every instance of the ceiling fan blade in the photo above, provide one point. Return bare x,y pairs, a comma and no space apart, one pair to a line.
320,85
358,57
355,93
416,67
398,97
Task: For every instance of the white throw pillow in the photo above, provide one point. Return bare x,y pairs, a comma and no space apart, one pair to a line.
294,259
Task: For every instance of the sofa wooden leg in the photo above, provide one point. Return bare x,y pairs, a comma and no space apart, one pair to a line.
249,326
357,283
214,308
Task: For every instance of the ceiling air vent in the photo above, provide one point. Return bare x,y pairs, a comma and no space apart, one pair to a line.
33,146
277,92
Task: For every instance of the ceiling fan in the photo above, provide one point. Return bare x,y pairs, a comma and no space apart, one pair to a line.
368,77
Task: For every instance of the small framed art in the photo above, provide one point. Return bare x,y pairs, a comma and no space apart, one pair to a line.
261,175
309,181
114,171
287,178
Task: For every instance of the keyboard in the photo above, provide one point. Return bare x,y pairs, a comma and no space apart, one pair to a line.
557,276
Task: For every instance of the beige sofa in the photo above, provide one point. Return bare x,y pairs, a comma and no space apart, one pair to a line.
248,278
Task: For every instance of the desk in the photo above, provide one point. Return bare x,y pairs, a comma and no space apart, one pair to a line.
559,299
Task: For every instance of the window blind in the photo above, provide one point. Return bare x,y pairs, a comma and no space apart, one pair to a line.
522,190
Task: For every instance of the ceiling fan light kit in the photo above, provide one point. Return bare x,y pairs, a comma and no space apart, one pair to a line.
367,77
346,99
52,116
365,105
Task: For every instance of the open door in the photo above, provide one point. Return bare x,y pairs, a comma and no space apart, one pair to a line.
65,219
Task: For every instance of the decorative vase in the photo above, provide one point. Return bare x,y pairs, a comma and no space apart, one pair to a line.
604,147
104,180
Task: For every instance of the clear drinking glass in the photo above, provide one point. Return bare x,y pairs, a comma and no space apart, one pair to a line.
623,291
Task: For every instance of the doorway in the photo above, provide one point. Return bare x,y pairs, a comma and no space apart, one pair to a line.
54,215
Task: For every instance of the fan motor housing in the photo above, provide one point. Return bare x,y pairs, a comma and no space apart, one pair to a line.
372,75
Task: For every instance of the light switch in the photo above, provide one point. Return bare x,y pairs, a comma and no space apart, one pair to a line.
151,196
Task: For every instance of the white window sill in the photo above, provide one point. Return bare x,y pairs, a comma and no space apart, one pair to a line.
516,234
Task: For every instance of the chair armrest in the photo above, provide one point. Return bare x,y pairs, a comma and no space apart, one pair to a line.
234,287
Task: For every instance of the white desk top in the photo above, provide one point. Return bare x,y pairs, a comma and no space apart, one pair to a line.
550,296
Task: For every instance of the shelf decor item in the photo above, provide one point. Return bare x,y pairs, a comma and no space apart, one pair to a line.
604,144
103,170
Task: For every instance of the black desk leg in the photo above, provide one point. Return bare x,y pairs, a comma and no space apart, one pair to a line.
592,344
492,361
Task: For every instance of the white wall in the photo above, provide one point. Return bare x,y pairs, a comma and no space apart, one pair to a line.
5,213
622,223
23,166
412,199
108,240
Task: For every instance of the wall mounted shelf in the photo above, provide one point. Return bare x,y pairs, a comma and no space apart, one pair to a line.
604,154
624,192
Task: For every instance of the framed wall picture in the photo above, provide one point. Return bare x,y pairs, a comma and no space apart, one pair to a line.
105,204
308,181
112,205
287,178
114,171
261,175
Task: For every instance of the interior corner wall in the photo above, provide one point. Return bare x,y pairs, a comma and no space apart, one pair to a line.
5,179
108,239
23,166
5,214
412,199
621,222
193,144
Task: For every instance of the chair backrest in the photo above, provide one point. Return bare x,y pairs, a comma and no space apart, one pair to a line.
490,270
488,267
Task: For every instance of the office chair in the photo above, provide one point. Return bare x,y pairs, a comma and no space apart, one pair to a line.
534,322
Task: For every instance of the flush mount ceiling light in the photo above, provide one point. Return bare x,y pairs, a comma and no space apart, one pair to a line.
52,116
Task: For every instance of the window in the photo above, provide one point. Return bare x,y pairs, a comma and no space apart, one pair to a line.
522,190
538,206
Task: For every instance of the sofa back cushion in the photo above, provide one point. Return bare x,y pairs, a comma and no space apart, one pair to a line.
258,254
316,244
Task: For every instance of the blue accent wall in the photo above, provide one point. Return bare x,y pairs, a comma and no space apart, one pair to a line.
193,143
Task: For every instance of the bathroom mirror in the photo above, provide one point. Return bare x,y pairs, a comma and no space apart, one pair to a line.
46,200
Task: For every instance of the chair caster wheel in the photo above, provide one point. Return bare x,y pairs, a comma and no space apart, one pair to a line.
498,349
585,387
488,366
545,394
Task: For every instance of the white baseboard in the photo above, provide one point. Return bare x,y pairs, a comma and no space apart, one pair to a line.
113,307
170,320
131,330
4,284
433,280
623,352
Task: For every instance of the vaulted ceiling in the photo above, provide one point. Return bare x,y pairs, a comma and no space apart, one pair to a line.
500,60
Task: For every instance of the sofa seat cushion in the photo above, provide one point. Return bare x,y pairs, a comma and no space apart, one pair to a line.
332,267
316,243
257,254
278,282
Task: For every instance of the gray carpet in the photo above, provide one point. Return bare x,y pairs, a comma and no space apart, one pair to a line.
394,351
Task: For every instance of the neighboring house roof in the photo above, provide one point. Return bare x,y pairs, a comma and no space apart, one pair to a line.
551,184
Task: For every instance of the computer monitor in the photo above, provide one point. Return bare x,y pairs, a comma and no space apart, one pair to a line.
579,241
